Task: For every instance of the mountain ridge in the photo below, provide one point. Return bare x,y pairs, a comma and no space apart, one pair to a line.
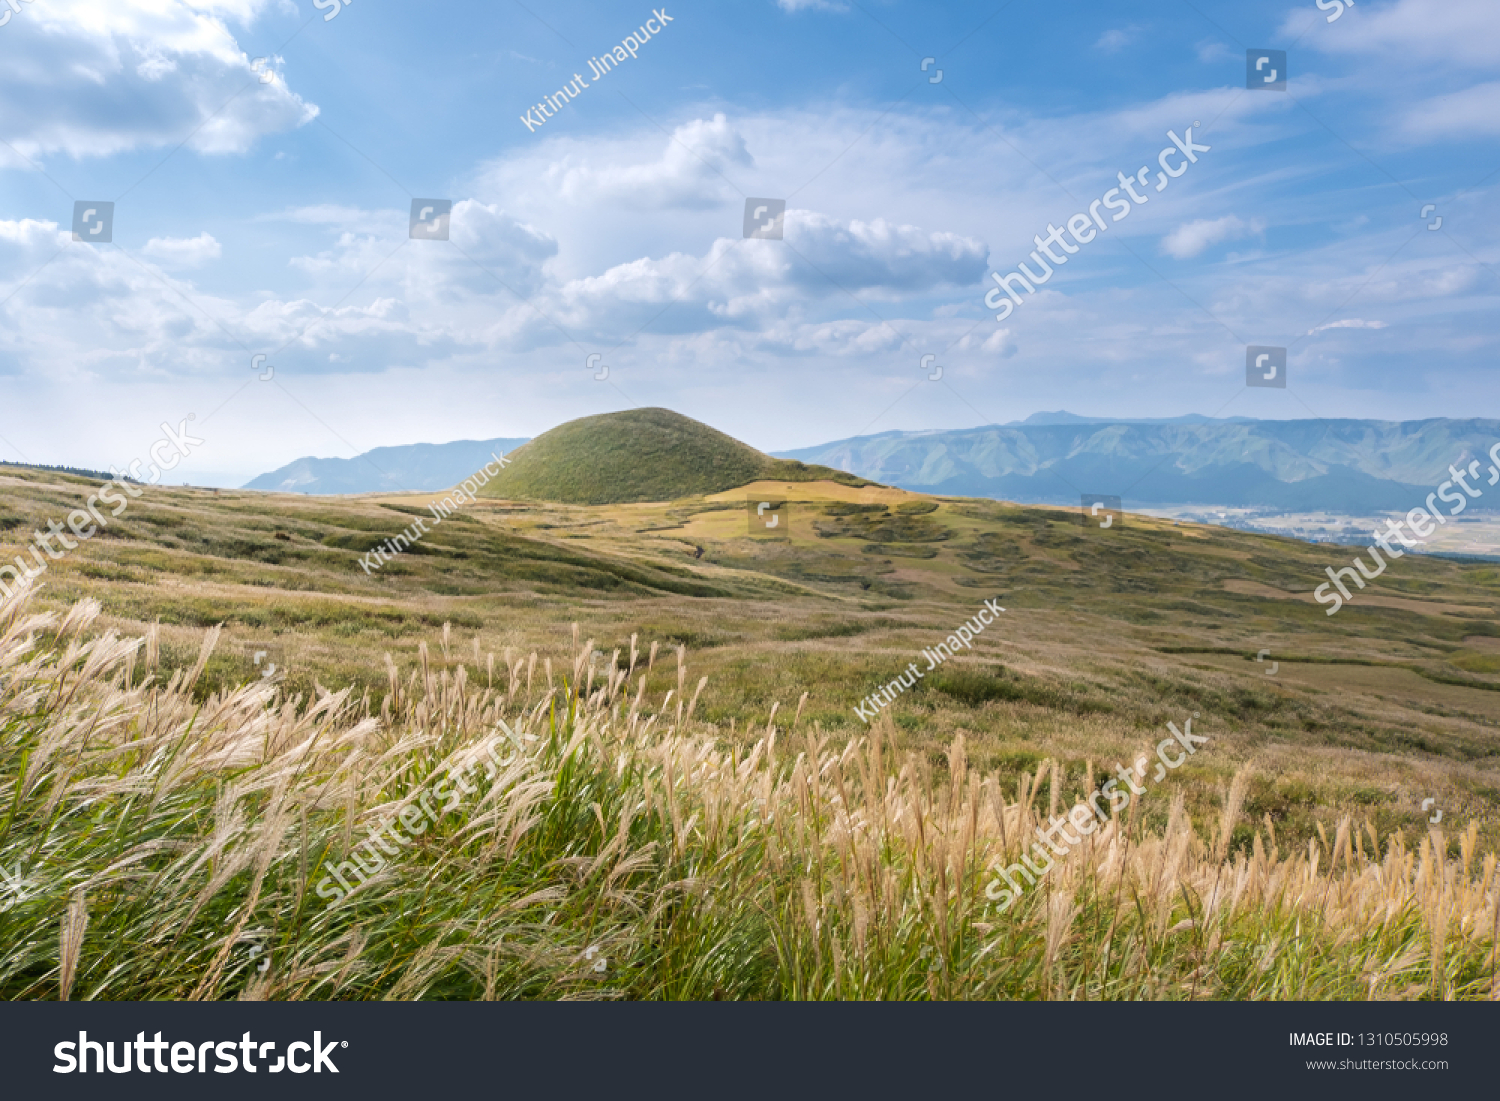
418,467
1345,465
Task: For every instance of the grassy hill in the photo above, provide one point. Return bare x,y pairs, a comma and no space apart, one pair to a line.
1308,797
641,455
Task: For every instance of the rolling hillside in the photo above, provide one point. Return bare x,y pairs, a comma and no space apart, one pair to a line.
640,455
587,628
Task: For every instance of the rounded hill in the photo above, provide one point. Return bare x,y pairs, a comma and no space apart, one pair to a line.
641,455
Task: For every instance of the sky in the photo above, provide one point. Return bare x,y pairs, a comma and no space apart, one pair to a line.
264,158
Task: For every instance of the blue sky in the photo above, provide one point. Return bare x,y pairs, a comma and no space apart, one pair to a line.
272,217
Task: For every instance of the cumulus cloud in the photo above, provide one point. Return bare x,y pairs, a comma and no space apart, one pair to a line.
876,254
1191,239
689,173
999,343
499,246
384,334
845,338
628,242
90,78
494,284
739,282
988,341
490,251
77,309
180,252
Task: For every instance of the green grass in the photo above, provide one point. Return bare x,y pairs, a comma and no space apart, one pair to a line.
640,455
1104,641
171,841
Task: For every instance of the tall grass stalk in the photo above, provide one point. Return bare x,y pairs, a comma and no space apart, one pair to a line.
171,842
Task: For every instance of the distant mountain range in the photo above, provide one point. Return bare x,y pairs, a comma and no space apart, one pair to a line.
1337,465
1352,466
1062,416
417,467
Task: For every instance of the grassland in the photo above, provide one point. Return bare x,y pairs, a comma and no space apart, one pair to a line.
1108,635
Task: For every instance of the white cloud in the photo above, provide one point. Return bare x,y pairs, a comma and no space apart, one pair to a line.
811,5
1348,323
1212,50
690,173
1112,41
379,336
1448,282
989,340
880,255
180,252
1470,113
625,238
739,282
494,246
1191,239
321,214
490,252
94,77
80,310
1411,32
1000,343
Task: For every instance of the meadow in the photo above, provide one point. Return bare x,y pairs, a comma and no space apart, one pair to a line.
696,803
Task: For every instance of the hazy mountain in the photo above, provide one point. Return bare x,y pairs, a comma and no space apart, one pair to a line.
417,467
1340,465
1062,416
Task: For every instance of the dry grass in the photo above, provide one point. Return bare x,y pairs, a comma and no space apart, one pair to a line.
173,843
1373,711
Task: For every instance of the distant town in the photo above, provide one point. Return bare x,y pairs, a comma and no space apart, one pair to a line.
1476,535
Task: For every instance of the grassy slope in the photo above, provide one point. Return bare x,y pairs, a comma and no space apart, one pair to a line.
1107,637
639,455
172,843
